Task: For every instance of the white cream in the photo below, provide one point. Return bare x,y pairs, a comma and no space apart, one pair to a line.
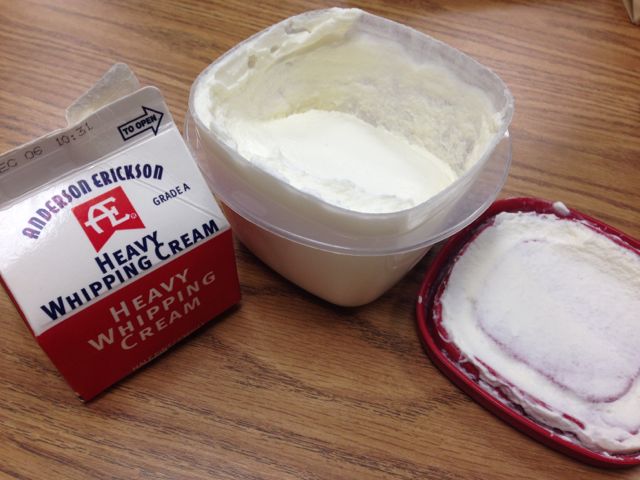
345,115
345,161
552,306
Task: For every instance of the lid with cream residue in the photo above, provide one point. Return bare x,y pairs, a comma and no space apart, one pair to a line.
531,311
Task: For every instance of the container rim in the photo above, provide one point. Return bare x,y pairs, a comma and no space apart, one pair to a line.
501,135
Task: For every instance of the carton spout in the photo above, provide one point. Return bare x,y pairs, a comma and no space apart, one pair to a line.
117,82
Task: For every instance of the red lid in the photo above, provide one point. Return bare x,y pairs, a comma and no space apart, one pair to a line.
445,355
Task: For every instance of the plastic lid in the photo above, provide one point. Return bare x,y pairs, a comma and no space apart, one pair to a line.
445,355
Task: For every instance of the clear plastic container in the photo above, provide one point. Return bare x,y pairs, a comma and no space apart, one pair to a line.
346,257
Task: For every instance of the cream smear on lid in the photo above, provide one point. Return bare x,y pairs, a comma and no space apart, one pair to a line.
346,116
547,310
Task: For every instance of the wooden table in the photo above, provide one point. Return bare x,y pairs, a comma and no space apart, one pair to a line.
287,386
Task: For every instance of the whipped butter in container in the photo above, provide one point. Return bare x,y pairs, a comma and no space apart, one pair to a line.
113,248
342,145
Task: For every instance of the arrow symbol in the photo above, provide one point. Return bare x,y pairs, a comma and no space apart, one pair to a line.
149,120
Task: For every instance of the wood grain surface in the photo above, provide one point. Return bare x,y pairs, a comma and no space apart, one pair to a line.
287,386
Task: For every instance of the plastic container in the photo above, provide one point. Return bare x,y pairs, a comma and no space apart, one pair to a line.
446,356
346,257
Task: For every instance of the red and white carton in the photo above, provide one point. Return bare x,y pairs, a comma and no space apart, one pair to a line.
113,247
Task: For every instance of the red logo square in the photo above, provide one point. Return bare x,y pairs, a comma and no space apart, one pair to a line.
103,215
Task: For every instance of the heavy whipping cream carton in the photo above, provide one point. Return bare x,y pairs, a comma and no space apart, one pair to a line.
113,248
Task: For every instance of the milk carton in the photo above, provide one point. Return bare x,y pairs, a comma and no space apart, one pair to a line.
112,246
